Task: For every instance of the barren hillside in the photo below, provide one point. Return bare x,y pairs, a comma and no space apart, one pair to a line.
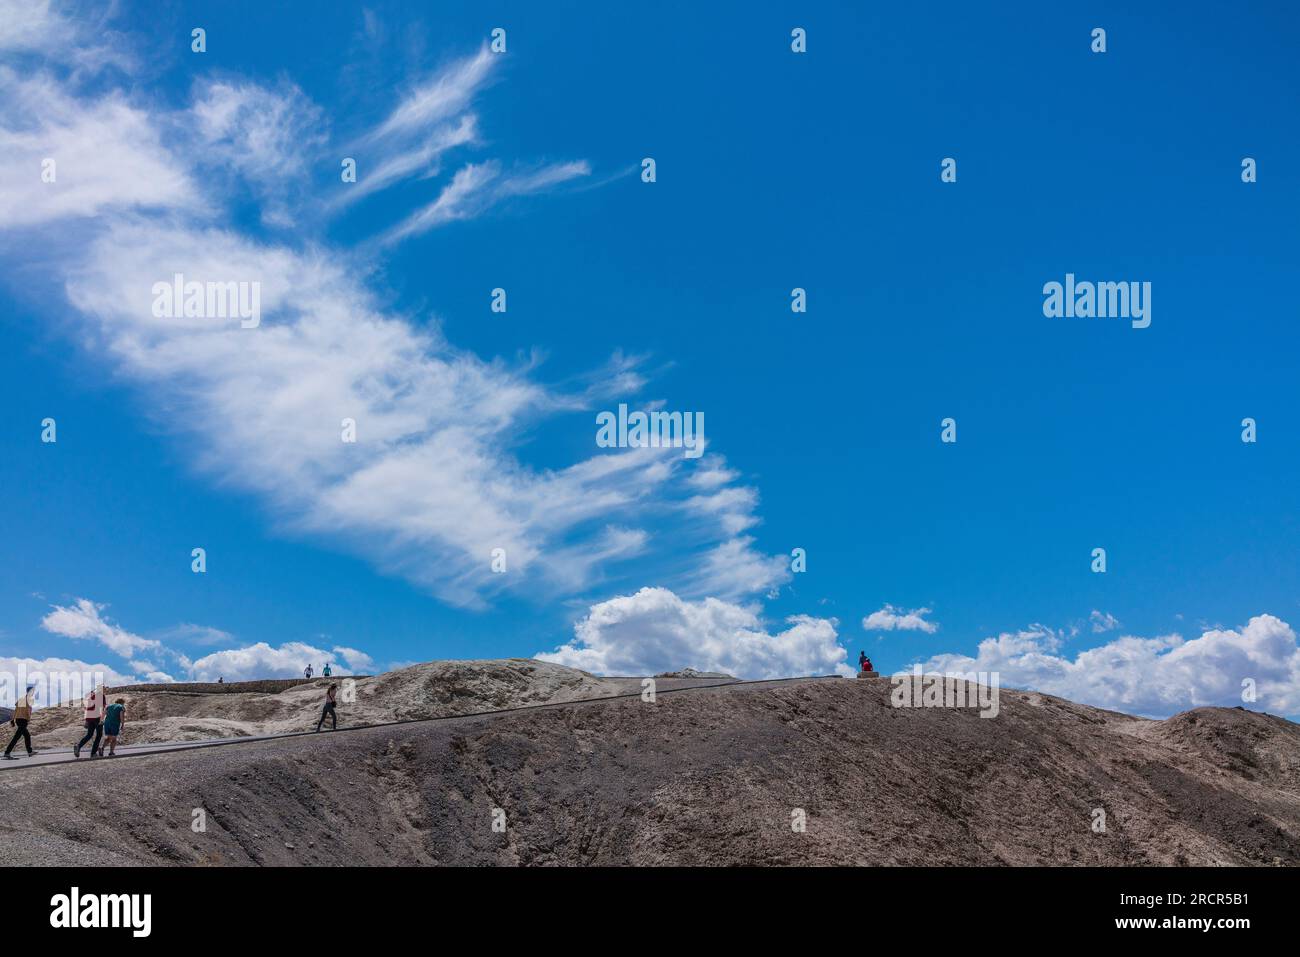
703,777
198,712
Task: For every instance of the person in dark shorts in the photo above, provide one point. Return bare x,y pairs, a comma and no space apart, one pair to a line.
114,722
329,709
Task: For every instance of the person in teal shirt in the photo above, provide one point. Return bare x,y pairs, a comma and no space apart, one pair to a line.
114,722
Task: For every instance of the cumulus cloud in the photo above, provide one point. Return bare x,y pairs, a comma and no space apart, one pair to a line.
1149,676
150,674
890,618
357,661
655,630
82,620
56,679
261,660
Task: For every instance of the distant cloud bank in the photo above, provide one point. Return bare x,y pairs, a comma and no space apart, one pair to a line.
890,618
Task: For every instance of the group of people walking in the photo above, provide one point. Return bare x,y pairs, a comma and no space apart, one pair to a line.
104,724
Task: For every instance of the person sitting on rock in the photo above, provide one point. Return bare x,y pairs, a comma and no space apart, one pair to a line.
864,663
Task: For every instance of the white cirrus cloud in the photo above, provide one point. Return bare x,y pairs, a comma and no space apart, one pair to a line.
656,630
1102,622
266,133
71,34
432,472
108,155
432,120
444,94
436,479
192,634
422,159
890,618
735,568
265,136
477,187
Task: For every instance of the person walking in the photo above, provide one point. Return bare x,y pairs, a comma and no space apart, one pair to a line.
306,672
22,714
94,716
114,723
329,709
325,672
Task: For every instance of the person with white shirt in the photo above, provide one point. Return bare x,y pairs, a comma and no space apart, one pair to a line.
96,705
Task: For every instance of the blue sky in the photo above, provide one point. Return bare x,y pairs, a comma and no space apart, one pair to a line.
476,429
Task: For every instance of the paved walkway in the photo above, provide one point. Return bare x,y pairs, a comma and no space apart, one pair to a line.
52,756
64,755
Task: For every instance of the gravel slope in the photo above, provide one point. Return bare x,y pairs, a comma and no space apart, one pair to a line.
433,689
703,777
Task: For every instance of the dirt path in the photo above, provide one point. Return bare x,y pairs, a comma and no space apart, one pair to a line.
620,688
